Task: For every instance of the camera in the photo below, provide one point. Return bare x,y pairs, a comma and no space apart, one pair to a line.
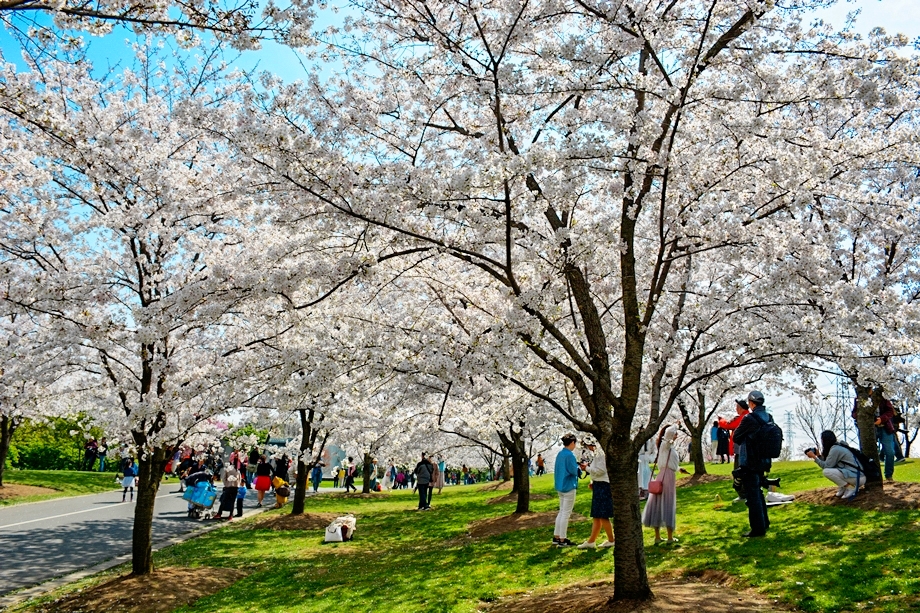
811,449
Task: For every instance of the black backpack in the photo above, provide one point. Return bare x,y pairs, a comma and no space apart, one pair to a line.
767,441
867,465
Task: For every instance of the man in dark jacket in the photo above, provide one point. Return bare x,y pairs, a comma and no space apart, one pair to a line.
424,471
752,468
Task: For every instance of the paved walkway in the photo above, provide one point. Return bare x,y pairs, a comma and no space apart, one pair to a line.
54,538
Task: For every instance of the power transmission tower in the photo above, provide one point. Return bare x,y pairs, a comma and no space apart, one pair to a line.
789,433
843,405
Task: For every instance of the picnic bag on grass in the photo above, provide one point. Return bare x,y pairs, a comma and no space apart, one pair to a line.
341,529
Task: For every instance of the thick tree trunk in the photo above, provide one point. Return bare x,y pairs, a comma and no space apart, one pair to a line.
696,453
366,474
629,574
8,426
300,489
513,441
150,471
865,408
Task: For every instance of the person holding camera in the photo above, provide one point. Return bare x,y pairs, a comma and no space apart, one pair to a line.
752,469
839,464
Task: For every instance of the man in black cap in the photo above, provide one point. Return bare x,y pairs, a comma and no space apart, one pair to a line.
751,467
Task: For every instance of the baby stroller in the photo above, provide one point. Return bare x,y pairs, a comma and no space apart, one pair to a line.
200,498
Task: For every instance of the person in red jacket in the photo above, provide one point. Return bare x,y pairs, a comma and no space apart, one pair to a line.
741,408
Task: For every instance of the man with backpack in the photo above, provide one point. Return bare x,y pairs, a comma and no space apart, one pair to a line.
754,441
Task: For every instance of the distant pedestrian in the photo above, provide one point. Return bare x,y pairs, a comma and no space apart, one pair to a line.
316,476
424,471
230,476
263,480
541,465
350,475
101,451
89,453
128,479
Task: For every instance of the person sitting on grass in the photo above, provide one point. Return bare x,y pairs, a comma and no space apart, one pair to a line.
839,464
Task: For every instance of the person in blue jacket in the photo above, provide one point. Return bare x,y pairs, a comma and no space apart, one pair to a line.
566,479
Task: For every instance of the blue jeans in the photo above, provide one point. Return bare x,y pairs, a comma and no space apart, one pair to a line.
102,463
886,440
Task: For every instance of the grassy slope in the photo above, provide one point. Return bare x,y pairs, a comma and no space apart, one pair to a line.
66,482
817,558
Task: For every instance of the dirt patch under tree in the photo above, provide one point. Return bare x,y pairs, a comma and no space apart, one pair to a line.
672,595
514,497
306,521
11,491
509,523
501,485
163,591
894,496
700,480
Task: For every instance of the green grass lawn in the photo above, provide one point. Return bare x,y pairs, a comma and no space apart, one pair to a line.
823,559
64,482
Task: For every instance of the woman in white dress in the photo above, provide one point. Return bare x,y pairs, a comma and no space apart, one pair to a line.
661,509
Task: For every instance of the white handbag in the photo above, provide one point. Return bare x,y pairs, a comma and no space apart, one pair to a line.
341,529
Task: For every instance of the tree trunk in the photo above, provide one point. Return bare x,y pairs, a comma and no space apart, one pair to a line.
151,467
865,407
300,489
696,452
8,425
366,474
513,441
309,434
629,574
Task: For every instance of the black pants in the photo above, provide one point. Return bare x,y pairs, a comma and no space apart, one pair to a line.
226,500
423,489
752,483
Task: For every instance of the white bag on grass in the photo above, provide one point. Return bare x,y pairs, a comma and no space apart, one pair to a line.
341,529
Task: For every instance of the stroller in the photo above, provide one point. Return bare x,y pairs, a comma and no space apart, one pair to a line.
200,498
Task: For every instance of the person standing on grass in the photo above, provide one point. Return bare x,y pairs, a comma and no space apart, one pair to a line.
101,450
424,473
89,453
741,408
752,469
661,509
442,468
541,465
601,498
566,482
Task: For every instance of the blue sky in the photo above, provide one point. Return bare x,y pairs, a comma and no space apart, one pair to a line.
893,15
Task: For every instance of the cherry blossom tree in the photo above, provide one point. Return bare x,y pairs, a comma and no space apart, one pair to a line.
570,158
130,220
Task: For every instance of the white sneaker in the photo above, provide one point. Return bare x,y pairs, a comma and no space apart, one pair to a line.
840,491
606,544
849,492
587,545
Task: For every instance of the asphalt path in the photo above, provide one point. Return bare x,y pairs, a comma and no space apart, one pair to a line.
43,540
